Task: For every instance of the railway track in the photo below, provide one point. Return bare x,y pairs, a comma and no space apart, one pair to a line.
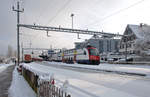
92,70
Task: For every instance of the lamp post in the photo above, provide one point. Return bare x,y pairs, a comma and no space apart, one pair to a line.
72,15
72,19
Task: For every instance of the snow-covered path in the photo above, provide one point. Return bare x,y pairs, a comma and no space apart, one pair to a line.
98,84
19,87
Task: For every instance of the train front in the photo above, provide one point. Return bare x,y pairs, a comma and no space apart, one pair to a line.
94,57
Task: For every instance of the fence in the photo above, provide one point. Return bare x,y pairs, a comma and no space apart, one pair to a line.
46,89
31,78
42,88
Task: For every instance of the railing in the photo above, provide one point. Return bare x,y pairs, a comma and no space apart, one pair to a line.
43,88
46,89
31,78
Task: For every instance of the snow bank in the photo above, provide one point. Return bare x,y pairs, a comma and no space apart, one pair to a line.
19,87
36,71
42,74
4,66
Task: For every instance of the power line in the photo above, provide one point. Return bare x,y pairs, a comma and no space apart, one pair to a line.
60,10
115,13
41,13
13,2
23,3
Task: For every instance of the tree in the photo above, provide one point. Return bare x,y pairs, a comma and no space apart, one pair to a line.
15,53
142,43
10,51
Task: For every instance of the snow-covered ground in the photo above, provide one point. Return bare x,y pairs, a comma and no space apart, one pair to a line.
89,84
4,66
137,69
19,87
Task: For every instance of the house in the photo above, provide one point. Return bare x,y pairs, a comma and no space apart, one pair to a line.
136,40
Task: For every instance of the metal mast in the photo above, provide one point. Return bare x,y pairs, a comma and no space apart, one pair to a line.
18,21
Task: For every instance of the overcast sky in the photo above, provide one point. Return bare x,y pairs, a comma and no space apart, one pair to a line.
111,16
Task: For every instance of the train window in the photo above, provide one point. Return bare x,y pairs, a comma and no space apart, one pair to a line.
84,52
93,52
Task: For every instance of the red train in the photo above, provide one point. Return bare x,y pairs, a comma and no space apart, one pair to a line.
87,55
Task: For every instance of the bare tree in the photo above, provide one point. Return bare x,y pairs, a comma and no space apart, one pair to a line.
14,53
142,43
10,51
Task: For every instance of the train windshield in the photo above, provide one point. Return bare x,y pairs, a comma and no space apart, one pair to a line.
93,52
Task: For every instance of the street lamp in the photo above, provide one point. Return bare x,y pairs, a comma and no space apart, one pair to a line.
72,19
72,15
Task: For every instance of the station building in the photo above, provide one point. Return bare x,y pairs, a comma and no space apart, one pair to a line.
136,42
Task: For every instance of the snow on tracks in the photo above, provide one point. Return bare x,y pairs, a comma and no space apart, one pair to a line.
77,86
139,70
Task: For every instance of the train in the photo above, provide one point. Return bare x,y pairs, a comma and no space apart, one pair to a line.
87,55
28,58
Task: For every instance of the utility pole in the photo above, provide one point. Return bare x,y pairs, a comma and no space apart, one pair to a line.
22,51
126,48
18,21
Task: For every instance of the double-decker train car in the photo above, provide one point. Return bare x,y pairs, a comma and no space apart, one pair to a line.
87,55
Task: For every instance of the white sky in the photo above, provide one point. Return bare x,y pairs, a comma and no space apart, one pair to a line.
108,15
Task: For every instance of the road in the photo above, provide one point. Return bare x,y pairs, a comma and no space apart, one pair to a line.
5,81
137,86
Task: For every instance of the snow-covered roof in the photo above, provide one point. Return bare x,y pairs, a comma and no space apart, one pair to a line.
141,31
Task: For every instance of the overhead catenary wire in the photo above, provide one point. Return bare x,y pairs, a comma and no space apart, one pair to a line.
23,2
14,2
115,13
41,13
68,1
59,11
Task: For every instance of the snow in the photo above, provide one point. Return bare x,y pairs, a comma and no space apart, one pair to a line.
97,90
142,42
37,71
19,87
137,69
4,66
140,32
83,84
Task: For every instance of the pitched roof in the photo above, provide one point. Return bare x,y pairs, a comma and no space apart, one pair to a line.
141,31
